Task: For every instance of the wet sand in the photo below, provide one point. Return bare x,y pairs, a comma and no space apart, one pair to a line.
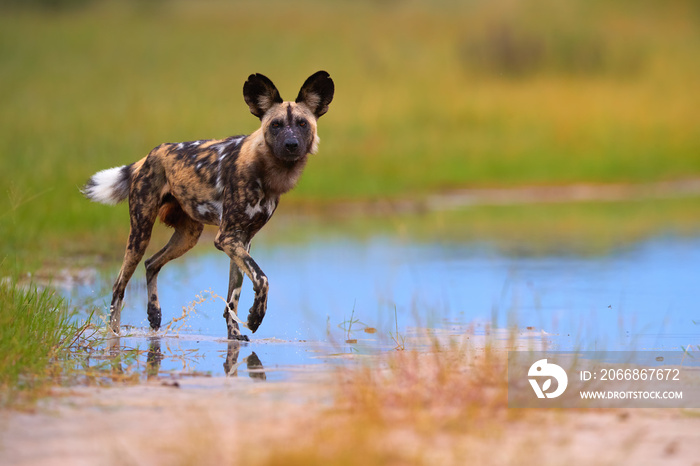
157,422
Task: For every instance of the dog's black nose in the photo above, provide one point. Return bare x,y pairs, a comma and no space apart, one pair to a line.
291,144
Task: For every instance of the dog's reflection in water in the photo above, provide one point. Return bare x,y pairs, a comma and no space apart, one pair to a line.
155,356
255,368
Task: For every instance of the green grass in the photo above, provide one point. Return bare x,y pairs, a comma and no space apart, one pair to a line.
36,330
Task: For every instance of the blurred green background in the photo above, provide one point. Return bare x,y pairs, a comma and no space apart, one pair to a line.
430,96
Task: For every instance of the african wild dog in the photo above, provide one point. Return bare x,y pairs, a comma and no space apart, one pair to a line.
234,183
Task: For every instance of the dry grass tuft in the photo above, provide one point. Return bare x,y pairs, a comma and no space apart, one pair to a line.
410,407
433,390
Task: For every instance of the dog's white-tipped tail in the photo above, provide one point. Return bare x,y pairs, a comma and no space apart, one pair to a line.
109,186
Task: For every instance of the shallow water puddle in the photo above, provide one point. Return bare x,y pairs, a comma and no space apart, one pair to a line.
348,296
146,355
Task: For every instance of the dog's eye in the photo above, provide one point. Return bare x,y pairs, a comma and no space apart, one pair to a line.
302,123
275,124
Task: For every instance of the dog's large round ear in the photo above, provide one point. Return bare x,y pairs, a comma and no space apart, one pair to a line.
317,92
260,94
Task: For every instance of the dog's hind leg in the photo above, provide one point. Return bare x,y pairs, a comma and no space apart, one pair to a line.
187,233
139,236
144,199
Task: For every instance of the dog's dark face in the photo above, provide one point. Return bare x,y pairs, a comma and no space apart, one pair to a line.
289,128
290,131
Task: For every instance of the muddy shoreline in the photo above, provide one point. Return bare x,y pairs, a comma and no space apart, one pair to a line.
509,196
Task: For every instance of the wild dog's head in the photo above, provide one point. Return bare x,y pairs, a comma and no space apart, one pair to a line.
289,127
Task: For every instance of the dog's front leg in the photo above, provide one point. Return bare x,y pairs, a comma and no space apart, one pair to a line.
240,257
235,282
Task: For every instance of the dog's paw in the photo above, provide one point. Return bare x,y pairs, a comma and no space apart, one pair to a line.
238,337
255,317
154,316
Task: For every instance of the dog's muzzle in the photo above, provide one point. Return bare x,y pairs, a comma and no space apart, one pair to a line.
291,145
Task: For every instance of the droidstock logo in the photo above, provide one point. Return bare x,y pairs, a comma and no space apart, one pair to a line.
543,369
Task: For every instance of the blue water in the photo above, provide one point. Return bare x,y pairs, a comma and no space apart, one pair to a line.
642,296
